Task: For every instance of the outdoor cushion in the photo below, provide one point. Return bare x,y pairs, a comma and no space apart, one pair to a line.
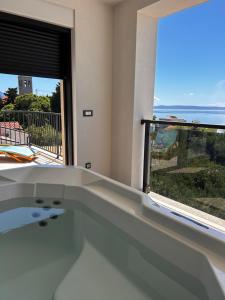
18,152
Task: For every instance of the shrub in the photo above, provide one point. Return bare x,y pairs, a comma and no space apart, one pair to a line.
9,106
44,136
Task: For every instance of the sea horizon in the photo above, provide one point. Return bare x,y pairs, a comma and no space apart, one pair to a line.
198,107
201,114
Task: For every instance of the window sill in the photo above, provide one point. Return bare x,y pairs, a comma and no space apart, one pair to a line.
188,211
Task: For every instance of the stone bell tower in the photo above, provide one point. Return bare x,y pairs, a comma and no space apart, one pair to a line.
25,85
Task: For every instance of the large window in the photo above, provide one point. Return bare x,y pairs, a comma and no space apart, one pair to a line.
188,161
30,119
190,81
35,74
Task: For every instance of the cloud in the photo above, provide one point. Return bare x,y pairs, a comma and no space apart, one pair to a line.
219,104
190,94
220,84
218,95
156,99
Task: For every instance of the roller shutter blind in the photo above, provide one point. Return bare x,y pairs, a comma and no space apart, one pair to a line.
29,47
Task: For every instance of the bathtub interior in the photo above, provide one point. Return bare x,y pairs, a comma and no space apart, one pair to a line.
77,254
67,233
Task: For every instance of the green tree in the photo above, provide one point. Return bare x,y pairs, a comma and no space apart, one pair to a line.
30,102
55,100
11,93
9,106
1,103
42,104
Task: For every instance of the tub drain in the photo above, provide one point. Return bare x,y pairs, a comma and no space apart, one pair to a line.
56,202
54,217
43,223
39,201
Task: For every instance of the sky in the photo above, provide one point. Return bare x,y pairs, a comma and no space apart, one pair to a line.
190,67
41,86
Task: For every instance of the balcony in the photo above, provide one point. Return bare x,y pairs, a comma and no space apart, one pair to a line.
40,131
185,165
68,231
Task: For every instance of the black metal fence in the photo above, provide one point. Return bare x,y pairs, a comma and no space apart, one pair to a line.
186,163
41,129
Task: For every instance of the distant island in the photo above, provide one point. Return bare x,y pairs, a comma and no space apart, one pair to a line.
189,107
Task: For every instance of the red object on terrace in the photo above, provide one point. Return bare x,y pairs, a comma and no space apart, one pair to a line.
10,125
5,100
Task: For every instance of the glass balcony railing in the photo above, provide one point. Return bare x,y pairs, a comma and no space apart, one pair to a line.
186,162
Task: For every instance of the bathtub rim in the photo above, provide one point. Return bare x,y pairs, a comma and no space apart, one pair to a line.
145,211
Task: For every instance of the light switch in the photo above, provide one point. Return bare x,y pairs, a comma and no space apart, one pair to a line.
88,113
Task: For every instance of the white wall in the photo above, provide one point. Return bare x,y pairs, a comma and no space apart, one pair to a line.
134,52
39,10
127,95
143,90
113,74
93,35
92,81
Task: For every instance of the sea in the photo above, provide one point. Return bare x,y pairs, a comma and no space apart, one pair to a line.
206,116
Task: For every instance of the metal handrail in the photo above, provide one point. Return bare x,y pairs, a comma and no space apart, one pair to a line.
187,124
41,129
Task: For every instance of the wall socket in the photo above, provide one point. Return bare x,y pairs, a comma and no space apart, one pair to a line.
88,165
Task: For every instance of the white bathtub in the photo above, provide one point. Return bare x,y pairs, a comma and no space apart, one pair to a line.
71,234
